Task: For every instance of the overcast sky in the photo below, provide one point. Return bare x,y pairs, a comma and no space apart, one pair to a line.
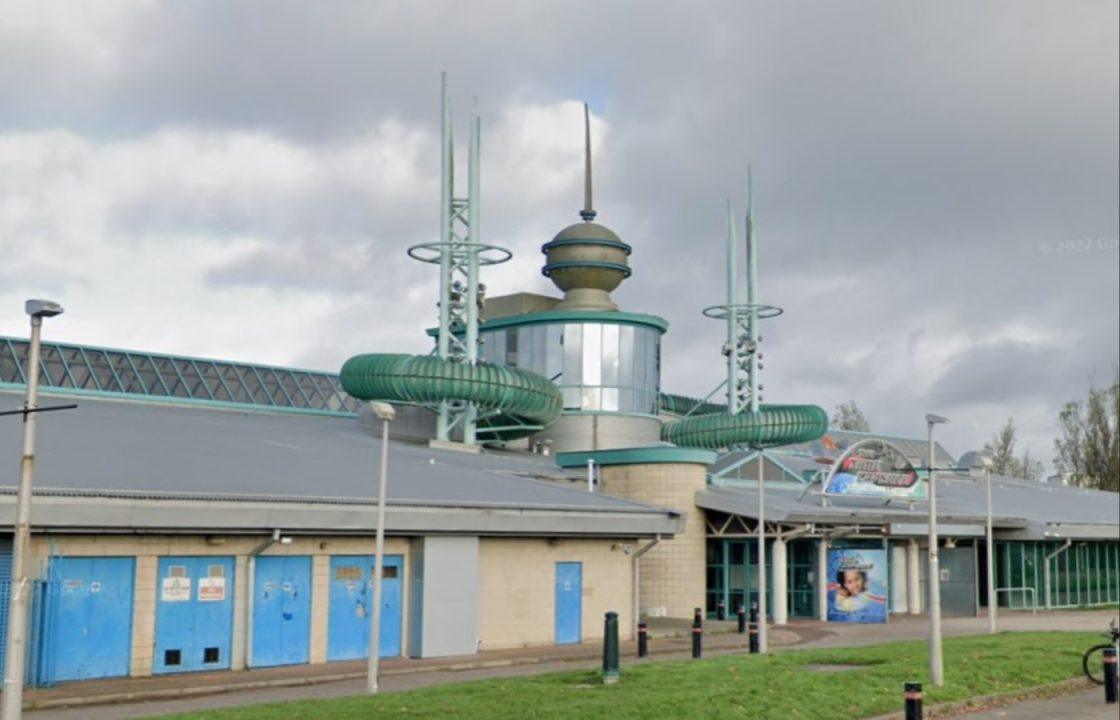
935,185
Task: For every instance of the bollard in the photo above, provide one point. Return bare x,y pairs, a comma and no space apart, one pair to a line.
742,619
643,640
753,642
696,615
1110,678
610,649
697,634
721,611
913,695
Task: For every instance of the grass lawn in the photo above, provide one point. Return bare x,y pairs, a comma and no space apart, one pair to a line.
782,686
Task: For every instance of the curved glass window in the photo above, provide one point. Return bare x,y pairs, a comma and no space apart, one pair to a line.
598,366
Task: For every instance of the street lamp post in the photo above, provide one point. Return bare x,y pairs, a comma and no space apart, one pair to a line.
987,463
936,668
386,413
19,588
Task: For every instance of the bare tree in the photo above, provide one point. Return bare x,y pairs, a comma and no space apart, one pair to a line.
1089,445
1001,449
848,416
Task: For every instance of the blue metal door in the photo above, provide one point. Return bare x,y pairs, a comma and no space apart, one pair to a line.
94,617
350,598
569,601
281,611
194,614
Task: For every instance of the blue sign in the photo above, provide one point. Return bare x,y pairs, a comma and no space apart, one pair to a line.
857,586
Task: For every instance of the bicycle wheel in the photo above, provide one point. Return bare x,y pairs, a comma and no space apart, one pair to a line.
1092,662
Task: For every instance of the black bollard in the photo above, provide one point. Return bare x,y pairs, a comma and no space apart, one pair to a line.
643,640
742,619
697,634
913,695
721,611
610,649
696,615
1110,671
753,641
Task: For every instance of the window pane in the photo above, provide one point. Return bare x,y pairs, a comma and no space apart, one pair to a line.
591,399
511,346
554,365
592,354
540,350
626,356
573,354
610,356
610,399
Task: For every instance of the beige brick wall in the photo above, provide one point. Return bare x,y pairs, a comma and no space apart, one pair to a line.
673,572
517,588
148,549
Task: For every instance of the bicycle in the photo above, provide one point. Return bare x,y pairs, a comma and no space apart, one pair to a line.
1092,663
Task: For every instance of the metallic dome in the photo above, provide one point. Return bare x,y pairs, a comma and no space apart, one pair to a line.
586,260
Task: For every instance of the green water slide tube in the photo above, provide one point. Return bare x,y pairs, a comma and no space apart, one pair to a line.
512,402
772,426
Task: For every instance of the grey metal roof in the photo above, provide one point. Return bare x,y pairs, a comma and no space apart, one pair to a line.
1022,508
147,451
835,442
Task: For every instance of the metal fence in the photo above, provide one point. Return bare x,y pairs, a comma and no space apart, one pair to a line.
40,661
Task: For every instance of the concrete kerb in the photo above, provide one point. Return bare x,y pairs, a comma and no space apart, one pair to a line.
985,702
591,655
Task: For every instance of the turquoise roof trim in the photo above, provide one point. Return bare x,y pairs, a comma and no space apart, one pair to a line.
636,456
577,316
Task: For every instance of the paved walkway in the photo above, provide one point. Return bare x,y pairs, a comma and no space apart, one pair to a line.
1086,705
670,640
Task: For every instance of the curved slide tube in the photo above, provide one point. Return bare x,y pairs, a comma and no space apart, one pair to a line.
774,425
518,397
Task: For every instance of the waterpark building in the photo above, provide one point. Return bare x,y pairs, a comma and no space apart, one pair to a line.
222,513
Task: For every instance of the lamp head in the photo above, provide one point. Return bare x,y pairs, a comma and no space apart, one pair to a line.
932,419
383,410
42,308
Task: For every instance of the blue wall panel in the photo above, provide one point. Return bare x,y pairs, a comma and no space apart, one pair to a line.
350,598
93,634
194,614
281,610
569,602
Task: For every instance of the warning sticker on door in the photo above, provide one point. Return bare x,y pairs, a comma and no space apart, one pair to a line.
176,589
211,589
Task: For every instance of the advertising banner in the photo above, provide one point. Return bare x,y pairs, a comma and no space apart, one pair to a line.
874,468
857,586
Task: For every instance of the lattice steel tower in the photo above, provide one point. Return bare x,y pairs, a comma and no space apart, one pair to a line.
459,254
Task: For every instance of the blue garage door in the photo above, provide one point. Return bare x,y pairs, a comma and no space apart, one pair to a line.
569,603
94,626
194,614
350,599
281,611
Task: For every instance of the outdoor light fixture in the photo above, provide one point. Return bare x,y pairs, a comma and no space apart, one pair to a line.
386,413
936,669
986,464
21,588
42,308
383,411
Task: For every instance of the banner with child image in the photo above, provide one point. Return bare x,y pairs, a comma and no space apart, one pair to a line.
857,586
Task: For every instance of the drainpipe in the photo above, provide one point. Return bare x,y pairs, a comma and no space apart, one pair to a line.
636,576
1046,568
250,567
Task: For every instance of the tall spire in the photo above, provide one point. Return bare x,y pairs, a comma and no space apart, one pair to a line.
588,213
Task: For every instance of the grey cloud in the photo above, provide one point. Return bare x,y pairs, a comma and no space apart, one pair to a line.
918,169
